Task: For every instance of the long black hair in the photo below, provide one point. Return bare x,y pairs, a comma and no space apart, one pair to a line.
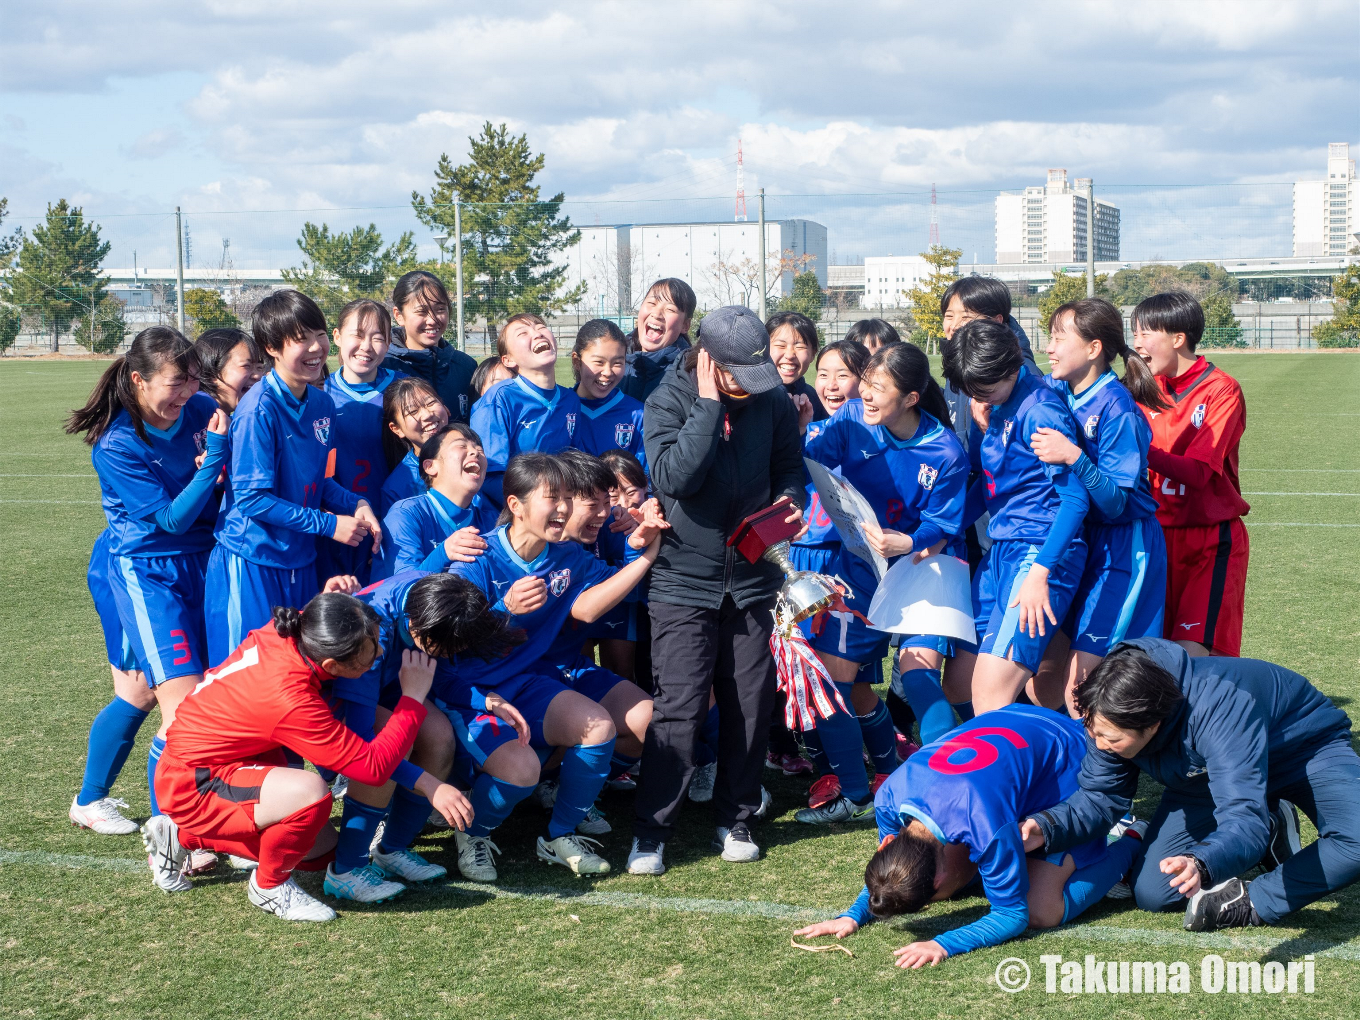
332,625
152,349
853,354
877,331
214,347
451,616
1095,319
525,473
909,368
402,396
680,294
980,354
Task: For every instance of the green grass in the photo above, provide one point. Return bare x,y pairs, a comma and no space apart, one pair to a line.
102,942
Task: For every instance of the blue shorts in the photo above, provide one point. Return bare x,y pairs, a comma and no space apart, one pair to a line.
583,676
1122,593
116,642
480,733
242,596
816,558
619,624
1083,855
160,602
995,587
334,558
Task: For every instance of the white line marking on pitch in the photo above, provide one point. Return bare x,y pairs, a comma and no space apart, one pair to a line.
72,502
1292,524
1352,494
771,911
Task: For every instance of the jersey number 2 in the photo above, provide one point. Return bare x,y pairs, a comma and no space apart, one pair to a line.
983,753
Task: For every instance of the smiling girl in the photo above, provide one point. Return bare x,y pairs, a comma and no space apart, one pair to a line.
282,494
230,363
793,347
529,412
411,413
420,307
663,323
610,419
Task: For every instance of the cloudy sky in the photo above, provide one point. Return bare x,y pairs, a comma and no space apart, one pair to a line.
257,116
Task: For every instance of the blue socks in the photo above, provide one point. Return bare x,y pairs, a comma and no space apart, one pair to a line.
933,711
408,814
620,763
1088,885
152,760
492,801
842,742
111,738
812,743
876,730
358,823
965,710
585,768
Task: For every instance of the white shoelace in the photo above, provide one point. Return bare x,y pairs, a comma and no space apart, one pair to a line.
481,851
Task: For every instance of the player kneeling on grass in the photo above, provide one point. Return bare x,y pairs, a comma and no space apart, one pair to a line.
952,812
223,781
1237,743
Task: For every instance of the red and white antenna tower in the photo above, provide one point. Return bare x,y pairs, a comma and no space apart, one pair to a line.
740,214
934,221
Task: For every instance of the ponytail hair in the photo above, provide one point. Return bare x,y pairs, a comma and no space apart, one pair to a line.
853,354
332,625
525,473
449,615
152,349
591,332
1095,320
909,369
214,347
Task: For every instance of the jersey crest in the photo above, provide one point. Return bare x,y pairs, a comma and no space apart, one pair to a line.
321,428
201,440
623,434
927,475
1197,418
1090,427
1006,431
571,423
463,405
558,581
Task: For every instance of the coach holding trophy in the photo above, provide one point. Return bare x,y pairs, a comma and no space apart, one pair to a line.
722,443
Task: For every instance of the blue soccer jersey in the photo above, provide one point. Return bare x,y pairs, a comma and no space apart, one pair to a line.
916,485
281,465
403,482
974,786
357,429
821,530
415,528
139,478
515,416
1115,435
388,600
1020,490
566,567
611,423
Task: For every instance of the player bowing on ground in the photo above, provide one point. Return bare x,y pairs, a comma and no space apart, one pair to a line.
150,428
282,493
225,782
541,581
1027,583
952,812
1194,477
910,467
1123,590
530,412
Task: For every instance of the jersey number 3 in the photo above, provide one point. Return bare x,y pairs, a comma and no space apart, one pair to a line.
983,753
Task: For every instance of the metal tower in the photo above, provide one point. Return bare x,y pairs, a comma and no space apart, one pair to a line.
739,215
934,221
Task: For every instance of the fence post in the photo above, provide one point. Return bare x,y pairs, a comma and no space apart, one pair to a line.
179,272
764,287
458,262
1090,239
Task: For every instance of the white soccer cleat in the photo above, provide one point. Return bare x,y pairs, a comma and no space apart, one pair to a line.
164,854
242,863
288,901
594,823
362,885
339,786
475,861
545,794
408,866
646,857
736,844
766,802
573,851
701,785
102,816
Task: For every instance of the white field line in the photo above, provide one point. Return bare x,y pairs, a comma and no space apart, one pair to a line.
1351,494
1295,524
783,912
62,502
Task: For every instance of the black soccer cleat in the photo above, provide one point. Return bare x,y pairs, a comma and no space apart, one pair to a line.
1284,836
1226,905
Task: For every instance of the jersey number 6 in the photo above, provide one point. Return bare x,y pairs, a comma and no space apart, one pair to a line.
983,753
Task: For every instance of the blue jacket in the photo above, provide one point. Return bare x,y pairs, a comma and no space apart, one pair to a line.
1244,731
644,369
444,367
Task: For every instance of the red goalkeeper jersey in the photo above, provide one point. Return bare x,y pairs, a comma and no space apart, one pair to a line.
1193,460
267,696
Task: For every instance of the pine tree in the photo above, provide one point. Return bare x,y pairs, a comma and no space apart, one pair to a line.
10,318
58,271
1067,287
806,297
510,233
338,268
925,296
208,310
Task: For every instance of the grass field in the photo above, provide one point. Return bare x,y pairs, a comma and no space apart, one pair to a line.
83,933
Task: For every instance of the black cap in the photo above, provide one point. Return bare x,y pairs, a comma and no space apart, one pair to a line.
736,339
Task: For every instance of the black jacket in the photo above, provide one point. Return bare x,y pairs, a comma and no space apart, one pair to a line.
709,478
645,369
444,367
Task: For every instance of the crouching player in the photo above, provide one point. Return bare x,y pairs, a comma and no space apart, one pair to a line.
223,781
952,812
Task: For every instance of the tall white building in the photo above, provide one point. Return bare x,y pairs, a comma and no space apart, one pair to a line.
889,279
1048,223
721,261
1324,211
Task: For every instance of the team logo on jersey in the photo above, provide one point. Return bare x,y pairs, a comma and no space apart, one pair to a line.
571,423
201,440
927,475
558,580
321,428
462,404
1006,431
623,434
1090,427
1197,418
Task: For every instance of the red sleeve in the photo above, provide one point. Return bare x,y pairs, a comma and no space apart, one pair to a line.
311,730
1186,470
1225,416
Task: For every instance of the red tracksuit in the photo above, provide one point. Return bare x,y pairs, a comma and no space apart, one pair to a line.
232,730
1193,464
